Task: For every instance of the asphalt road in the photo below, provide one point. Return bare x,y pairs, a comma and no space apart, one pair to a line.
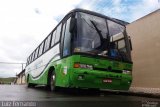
20,95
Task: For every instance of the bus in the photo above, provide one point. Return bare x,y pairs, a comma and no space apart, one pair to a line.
85,50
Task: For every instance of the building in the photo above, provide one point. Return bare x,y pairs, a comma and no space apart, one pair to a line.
145,35
20,78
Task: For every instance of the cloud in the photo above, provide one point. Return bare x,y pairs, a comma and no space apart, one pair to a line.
88,4
144,8
127,10
24,24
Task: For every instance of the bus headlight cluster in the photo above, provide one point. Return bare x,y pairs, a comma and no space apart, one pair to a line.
126,72
86,66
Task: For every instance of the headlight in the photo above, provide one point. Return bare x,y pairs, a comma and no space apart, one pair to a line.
126,72
86,66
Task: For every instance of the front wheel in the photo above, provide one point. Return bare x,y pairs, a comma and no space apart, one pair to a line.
51,82
29,85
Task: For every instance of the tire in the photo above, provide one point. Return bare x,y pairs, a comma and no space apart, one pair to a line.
95,90
29,85
51,82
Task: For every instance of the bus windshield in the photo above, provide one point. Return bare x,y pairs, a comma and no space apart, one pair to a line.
99,36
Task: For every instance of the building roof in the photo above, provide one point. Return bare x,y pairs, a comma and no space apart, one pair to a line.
22,72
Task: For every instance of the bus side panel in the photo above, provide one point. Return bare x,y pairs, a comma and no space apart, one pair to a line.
62,76
38,69
64,71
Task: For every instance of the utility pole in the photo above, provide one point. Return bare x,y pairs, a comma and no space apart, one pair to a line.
22,66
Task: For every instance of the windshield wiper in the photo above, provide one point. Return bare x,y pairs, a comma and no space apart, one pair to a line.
104,44
98,31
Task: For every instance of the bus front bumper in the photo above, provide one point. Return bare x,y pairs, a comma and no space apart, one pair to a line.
84,78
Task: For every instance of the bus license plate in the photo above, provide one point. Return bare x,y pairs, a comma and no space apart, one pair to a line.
107,81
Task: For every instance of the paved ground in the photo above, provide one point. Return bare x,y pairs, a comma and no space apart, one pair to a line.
11,94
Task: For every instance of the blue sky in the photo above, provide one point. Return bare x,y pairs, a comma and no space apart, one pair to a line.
127,10
25,23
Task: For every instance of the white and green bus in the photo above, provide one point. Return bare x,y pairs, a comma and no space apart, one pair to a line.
85,50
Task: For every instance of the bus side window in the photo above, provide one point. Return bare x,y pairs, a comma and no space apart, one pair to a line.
47,43
41,49
36,53
62,40
58,33
29,60
32,56
53,37
67,40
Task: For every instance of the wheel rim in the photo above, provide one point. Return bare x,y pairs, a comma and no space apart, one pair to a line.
52,83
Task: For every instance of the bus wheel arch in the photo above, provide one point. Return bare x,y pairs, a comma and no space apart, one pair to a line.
28,84
27,78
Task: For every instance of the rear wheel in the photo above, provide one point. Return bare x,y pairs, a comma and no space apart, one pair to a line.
94,90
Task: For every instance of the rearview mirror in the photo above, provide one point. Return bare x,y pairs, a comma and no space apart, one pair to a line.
72,24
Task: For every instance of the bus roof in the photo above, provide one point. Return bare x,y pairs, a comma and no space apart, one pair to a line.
100,15
89,12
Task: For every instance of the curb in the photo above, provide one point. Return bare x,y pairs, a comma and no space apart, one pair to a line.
131,93
142,94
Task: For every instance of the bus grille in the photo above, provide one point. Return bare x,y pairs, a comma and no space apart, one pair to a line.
105,69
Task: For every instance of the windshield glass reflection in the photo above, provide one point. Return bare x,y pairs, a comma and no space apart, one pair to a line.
98,36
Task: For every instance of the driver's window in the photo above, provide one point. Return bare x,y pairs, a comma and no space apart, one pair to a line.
67,39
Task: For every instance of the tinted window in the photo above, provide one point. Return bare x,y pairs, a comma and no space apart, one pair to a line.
114,28
32,56
58,33
63,30
67,40
88,38
36,54
29,59
53,38
41,49
47,43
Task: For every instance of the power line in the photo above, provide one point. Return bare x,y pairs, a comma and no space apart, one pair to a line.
11,63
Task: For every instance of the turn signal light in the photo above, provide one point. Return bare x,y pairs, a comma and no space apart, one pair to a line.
85,66
76,65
